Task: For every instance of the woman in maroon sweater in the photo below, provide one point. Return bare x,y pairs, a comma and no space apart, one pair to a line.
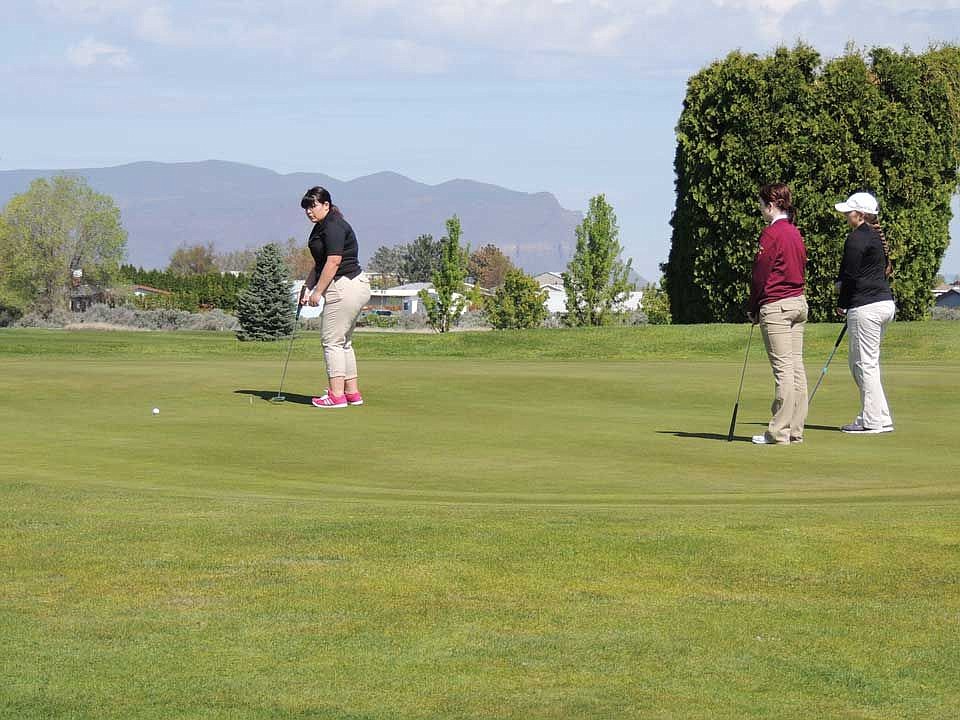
777,303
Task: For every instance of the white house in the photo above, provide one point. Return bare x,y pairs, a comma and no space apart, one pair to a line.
401,299
549,278
556,302
633,301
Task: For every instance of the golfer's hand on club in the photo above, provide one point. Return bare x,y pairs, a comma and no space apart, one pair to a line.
312,298
752,318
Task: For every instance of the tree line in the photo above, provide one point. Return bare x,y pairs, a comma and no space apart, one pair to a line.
595,281
199,291
61,224
877,120
417,262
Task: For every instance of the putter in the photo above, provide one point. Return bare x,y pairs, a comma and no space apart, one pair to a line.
736,406
824,371
279,397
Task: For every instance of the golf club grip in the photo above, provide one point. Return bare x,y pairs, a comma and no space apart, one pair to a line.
303,291
733,422
843,331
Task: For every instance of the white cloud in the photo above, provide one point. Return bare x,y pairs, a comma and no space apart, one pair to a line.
89,52
153,24
87,12
441,36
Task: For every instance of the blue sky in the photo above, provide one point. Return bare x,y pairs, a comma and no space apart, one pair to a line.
574,97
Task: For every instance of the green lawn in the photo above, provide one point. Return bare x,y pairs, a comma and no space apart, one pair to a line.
543,524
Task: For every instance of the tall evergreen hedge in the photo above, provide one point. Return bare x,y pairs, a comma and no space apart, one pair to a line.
882,121
190,292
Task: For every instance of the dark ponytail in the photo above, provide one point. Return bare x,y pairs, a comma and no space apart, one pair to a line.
779,195
873,222
317,196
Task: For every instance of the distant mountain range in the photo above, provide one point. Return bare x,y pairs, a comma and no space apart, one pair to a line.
165,206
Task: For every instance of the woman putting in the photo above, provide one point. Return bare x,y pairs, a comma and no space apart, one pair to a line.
337,278
867,301
778,304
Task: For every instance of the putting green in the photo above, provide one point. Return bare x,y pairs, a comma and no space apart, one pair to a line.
487,537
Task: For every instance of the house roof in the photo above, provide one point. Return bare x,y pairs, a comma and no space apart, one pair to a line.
408,290
140,287
417,286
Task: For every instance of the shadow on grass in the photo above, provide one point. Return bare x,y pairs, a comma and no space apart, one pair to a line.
738,438
826,428
705,436
269,395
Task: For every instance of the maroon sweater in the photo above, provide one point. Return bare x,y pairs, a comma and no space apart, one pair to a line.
778,269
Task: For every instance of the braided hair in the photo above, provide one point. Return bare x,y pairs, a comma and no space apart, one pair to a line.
874,222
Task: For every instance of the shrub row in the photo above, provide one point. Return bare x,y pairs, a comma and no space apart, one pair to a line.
164,319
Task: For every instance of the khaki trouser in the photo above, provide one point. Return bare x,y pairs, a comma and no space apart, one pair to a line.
342,303
782,323
865,328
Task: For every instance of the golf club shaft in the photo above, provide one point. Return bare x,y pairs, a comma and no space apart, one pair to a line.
736,405
823,372
293,334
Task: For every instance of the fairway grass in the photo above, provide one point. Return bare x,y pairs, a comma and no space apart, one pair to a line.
514,526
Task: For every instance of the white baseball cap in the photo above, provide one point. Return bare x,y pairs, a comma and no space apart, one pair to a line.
860,202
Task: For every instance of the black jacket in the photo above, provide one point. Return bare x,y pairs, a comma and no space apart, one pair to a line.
862,279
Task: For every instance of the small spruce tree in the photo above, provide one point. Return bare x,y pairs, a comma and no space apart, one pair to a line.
265,309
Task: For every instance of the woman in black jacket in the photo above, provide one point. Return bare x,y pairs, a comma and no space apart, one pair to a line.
867,302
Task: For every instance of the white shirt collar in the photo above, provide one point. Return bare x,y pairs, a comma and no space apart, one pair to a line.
781,216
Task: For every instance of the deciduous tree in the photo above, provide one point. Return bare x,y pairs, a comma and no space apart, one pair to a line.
596,277
448,303
421,259
388,261
298,258
656,305
518,303
55,225
193,260
489,266
236,260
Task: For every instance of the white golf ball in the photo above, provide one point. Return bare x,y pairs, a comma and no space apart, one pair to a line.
156,411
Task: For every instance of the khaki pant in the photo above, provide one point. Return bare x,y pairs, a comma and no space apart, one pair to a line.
342,303
782,323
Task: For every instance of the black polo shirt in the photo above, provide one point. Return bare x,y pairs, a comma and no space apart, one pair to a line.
334,236
862,278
